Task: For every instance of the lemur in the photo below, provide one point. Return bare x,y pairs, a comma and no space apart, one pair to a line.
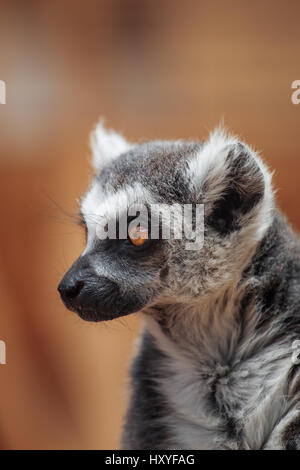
216,366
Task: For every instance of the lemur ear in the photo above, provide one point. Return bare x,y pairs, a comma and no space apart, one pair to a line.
233,183
106,145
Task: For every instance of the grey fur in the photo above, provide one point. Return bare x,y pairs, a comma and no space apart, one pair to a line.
214,366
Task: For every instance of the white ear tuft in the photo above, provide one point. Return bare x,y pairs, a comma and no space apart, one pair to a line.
233,182
213,158
106,145
212,155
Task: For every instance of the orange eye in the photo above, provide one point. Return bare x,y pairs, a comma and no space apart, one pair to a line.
138,235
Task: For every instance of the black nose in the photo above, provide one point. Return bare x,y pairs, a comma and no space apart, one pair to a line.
69,289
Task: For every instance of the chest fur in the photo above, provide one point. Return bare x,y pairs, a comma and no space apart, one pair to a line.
230,403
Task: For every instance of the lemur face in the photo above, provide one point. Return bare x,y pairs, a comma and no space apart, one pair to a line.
118,275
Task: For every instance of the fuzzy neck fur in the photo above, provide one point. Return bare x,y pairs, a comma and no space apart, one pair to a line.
225,368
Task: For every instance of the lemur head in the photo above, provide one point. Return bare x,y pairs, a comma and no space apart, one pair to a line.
115,277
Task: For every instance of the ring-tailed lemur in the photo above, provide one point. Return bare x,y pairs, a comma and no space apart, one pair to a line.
217,364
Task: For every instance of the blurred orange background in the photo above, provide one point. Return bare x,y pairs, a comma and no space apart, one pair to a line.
154,69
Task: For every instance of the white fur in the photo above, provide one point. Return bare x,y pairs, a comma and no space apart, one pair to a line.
210,162
255,382
97,206
106,145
